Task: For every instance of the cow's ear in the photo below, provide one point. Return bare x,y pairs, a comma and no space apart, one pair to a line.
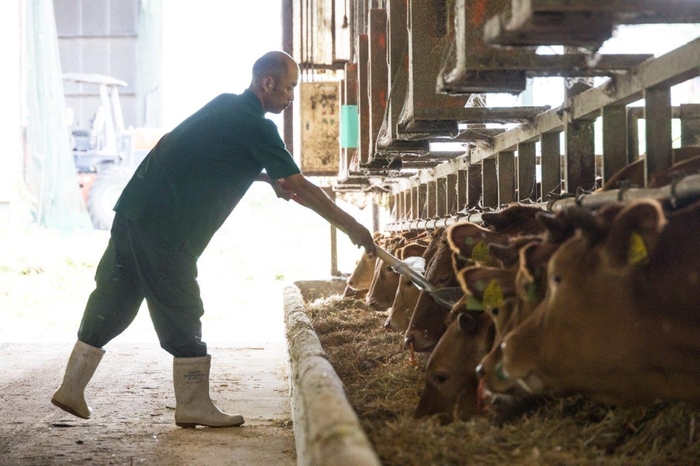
476,279
588,223
507,254
500,219
413,249
466,323
557,226
634,232
467,278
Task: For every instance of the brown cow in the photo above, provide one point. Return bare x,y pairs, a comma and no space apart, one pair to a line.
406,292
361,277
385,279
619,320
427,322
468,243
516,219
450,391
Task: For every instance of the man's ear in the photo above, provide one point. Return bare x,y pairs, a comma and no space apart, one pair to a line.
268,83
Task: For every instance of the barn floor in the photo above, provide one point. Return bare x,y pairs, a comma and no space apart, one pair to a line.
44,281
132,400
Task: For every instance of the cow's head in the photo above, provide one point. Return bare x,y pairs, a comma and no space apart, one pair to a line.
451,386
428,319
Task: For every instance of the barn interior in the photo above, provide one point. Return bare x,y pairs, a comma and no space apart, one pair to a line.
412,116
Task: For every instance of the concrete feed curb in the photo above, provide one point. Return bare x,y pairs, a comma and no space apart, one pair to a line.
326,428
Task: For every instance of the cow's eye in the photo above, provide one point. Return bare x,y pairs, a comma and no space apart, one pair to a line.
441,378
556,278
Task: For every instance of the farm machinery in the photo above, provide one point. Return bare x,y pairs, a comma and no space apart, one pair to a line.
107,153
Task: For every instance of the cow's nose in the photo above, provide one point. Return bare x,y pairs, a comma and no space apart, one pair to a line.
480,372
387,326
409,341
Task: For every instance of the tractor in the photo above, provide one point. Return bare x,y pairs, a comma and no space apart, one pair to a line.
107,154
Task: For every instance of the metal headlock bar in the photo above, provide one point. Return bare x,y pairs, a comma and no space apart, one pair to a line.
679,192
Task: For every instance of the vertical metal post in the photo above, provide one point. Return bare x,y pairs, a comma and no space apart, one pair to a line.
632,135
441,197
550,164
422,200
489,176
375,215
463,188
527,171
431,199
334,240
415,203
690,124
452,204
506,177
363,97
378,75
580,156
474,185
614,140
658,114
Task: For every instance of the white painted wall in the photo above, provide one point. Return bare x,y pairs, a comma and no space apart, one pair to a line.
10,110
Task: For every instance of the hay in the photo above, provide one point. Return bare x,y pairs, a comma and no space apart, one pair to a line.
384,389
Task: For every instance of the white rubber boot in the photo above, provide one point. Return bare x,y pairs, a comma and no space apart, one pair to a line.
70,396
193,406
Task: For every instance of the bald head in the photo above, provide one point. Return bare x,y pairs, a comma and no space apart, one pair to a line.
274,64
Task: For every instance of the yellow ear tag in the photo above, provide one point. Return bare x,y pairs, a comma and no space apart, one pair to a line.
637,249
493,295
480,253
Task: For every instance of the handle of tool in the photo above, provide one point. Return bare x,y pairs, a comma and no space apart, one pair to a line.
403,268
398,265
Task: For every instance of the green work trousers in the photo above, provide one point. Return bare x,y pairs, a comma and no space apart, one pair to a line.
137,264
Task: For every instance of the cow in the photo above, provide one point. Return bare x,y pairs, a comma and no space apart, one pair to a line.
452,380
465,243
385,279
619,320
407,293
450,392
515,219
682,167
427,322
361,278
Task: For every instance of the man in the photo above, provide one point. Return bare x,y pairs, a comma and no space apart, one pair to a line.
178,198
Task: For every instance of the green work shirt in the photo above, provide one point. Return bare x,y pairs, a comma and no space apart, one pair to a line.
189,183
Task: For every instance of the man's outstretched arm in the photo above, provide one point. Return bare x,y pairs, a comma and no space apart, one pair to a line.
317,200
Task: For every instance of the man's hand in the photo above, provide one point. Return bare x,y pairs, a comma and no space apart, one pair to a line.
282,189
361,237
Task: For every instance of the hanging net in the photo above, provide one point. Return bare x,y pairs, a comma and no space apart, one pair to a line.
50,173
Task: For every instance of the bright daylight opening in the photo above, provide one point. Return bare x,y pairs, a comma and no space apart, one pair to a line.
265,244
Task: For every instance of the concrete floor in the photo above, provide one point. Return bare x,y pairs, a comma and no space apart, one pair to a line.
133,408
